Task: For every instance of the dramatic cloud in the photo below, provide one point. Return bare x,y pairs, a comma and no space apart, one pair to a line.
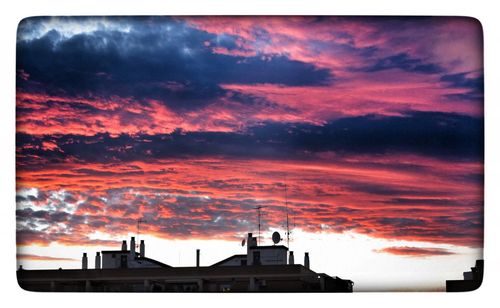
403,62
473,86
375,126
441,135
170,63
425,200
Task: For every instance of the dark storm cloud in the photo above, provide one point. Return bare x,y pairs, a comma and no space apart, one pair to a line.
435,202
382,189
401,222
473,85
441,135
462,81
159,59
404,62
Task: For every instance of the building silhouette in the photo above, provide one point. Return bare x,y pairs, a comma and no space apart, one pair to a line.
472,280
261,269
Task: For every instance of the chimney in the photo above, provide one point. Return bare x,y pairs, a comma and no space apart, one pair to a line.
132,247
251,241
197,258
98,260
291,259
306,260
124,246
84,261
142,249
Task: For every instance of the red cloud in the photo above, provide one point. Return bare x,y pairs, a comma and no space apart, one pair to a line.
51,146
385,199
415,251
339,36
32,257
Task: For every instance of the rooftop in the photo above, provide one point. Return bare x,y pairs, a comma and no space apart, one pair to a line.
165,272
228,259
270,247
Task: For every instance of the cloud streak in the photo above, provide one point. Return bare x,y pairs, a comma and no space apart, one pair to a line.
32,257
415,251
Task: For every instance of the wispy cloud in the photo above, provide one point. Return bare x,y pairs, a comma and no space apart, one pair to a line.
32,257
416,251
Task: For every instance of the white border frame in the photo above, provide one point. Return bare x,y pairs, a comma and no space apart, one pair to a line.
20,9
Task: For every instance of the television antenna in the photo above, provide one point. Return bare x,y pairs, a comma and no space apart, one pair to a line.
287,220
139,221
258,208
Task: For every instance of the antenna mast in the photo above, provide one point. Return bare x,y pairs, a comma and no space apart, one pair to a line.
287,225
139,221
258,208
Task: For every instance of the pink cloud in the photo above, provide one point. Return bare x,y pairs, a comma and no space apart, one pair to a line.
33,257
404,197
415,251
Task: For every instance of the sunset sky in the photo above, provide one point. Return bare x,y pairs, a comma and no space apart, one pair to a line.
375,125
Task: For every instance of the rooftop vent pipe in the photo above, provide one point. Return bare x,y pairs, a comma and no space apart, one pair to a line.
132,247
98,260
142,249
84,261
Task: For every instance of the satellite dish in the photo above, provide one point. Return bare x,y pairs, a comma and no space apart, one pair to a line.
243,242
276,237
